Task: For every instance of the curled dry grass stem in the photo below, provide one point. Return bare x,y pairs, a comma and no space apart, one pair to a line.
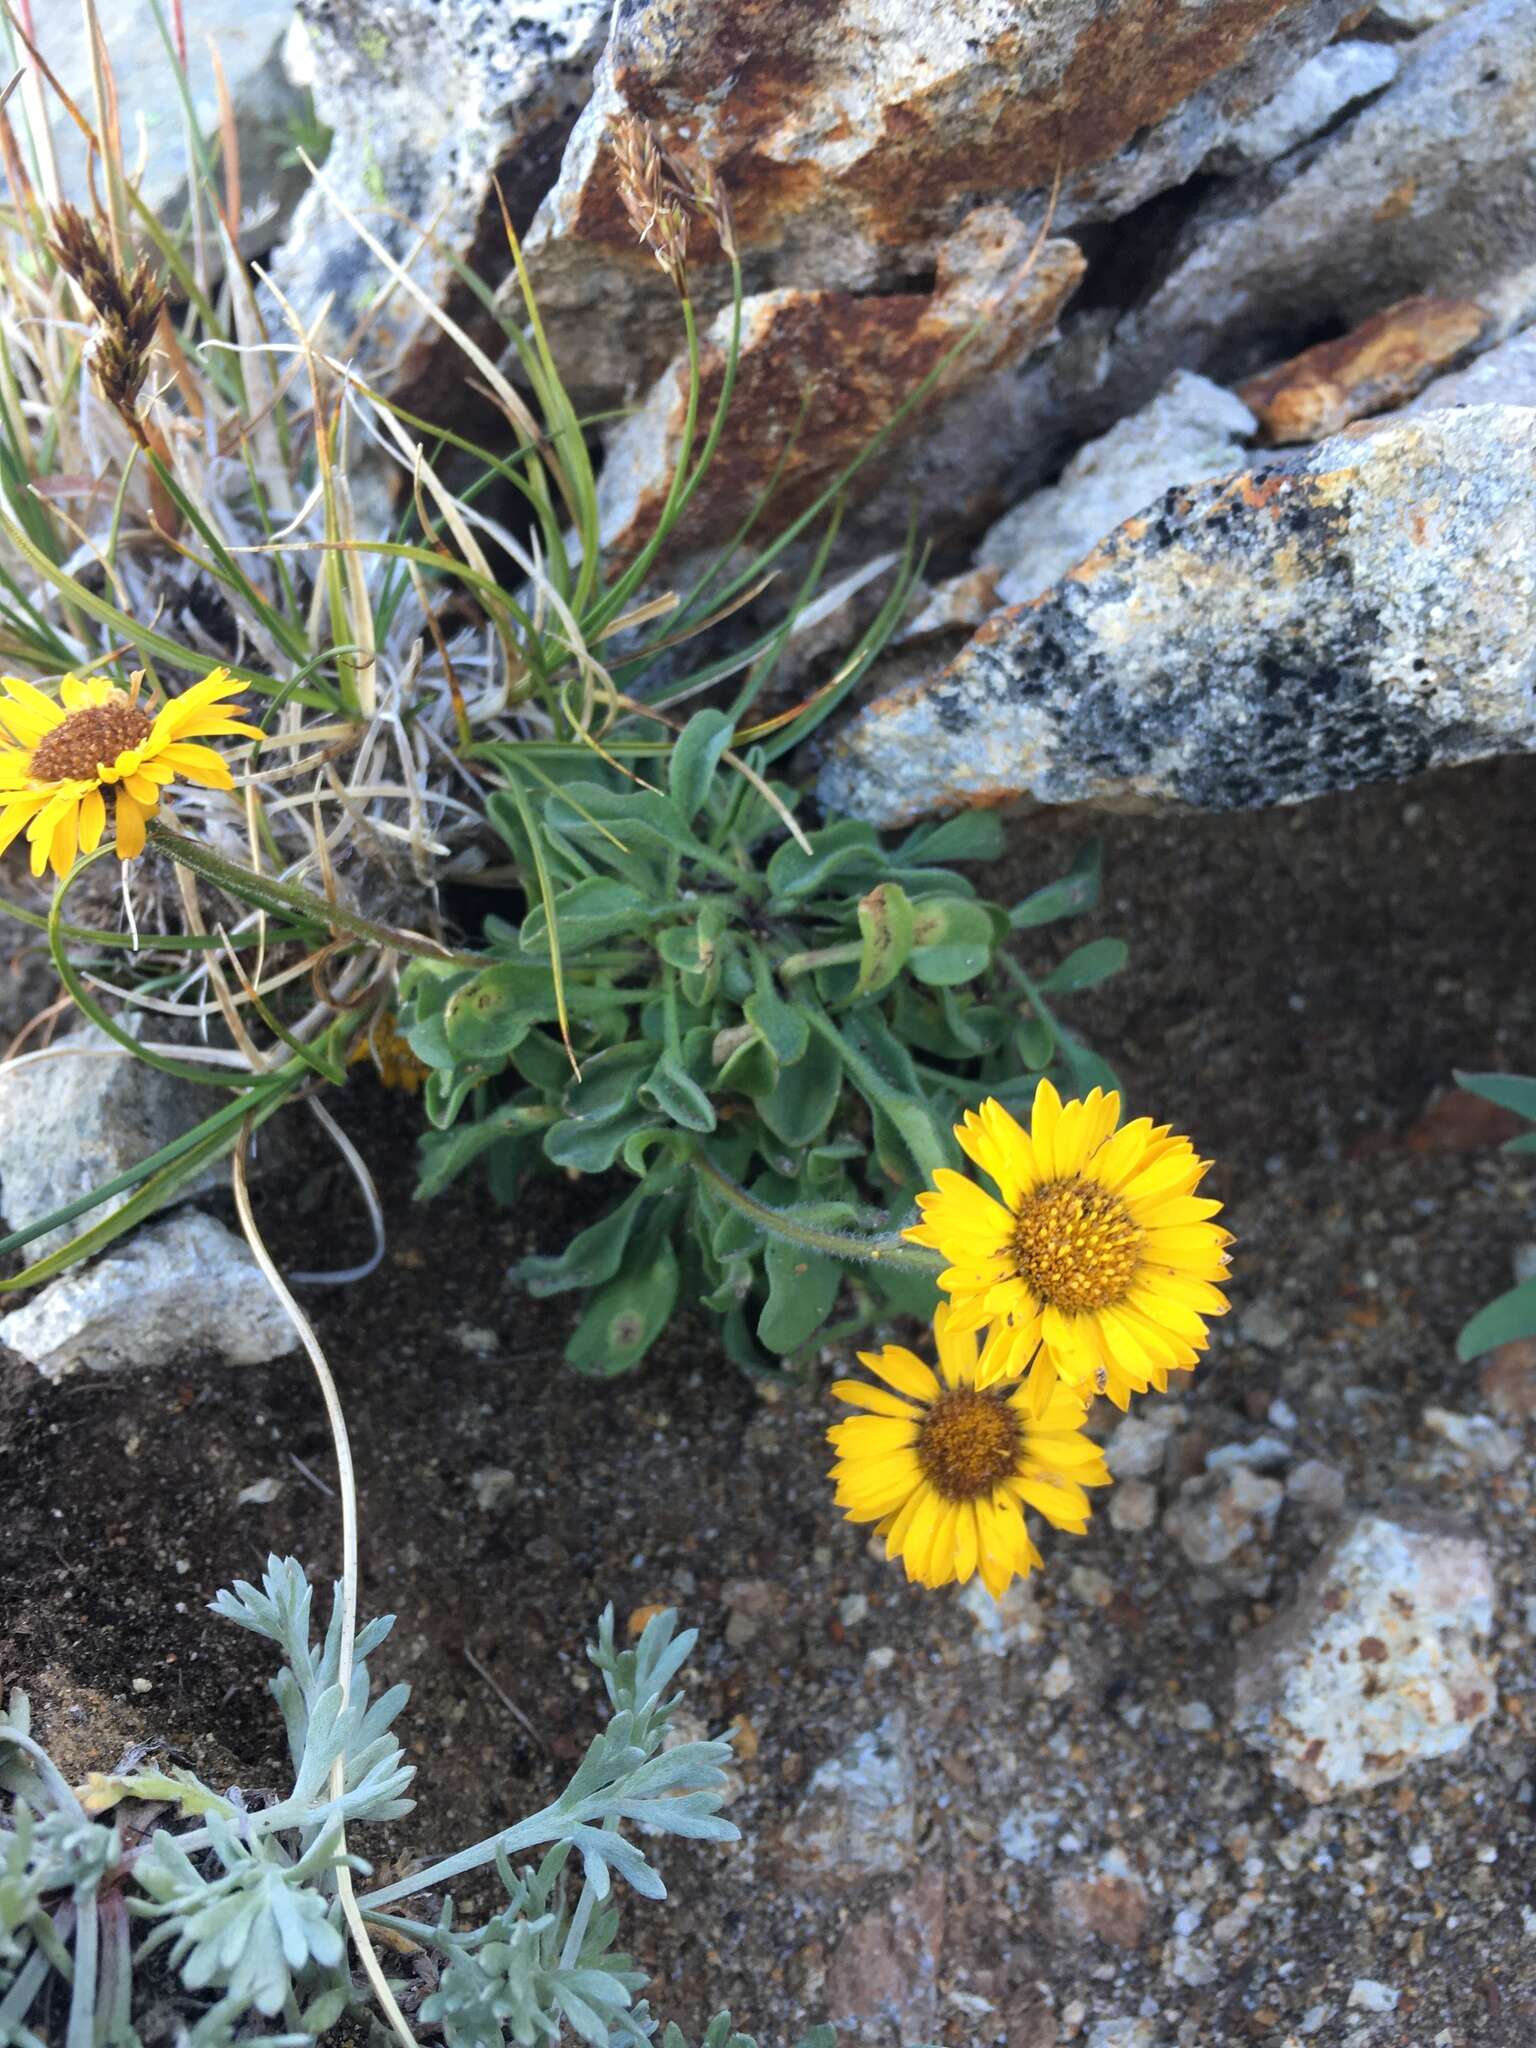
347,1490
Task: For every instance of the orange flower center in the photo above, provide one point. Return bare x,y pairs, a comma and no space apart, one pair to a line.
968,1441
89,741
1075,1245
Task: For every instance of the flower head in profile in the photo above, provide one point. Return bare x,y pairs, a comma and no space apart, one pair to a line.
946,1467
389,1051
58,759
1096,1262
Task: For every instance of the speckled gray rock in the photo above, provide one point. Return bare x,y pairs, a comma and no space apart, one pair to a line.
1430,188
1356,613
429,98
76,1117
1336,78
1192,430
179,1289
1375,1665
1506,375
859,1814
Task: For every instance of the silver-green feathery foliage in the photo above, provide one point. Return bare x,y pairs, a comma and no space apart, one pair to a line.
243,1896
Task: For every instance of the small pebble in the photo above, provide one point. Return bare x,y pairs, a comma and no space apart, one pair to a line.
1135,1451
1088,1584
492,1485
1263,1452
259,1494
1421,1855
1267,1323
1196,1717
1476,1437
1316,1485
1057,1682
1133,1506
143,1685
853,1609
1367,1995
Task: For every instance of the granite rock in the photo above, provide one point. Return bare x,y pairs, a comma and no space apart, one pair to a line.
1325,86
1386,360
1375,1666
1429,188
185,1288
77,1116
1356,613
429,101
820,373
1192,430
855,135
859,1815
1505,375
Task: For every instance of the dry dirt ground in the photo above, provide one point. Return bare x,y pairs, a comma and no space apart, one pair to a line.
1073,1844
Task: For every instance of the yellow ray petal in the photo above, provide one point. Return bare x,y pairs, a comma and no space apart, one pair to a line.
93,820
903,1370
198,764
860,1394
129,827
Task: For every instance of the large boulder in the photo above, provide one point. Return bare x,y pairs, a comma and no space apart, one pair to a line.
1355,613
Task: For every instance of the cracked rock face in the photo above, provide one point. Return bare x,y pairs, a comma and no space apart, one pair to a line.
1299,206
1375,1667
1355,614
429,99
820,374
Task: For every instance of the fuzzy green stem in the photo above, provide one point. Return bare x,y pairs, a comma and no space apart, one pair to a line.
831,1244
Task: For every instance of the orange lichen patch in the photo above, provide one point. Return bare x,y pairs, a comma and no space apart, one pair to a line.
1380,364
1106,555
1398,201
820,374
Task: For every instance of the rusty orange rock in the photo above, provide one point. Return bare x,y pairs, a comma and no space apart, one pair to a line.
821,373
1385,360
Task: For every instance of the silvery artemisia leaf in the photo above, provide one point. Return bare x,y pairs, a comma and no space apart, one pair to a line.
253,1930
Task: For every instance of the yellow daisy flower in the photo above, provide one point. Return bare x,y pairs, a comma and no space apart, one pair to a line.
1097,1266
946,1467
97,737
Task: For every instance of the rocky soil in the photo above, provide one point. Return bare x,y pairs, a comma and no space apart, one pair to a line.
1100,1816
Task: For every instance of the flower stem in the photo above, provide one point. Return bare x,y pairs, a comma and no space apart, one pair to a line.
887,1250
292,899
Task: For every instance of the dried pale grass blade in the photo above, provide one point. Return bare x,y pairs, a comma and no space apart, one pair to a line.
406,283
104,92
229,145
